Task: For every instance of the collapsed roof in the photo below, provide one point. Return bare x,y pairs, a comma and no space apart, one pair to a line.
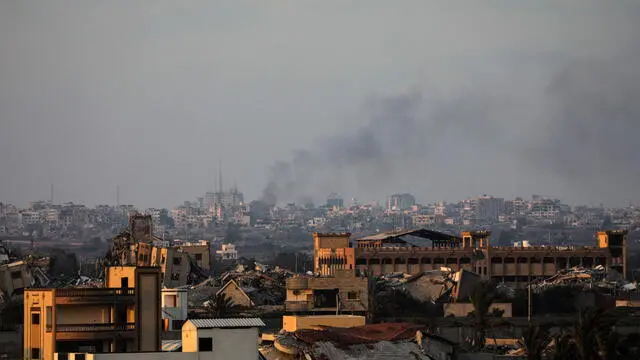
404,237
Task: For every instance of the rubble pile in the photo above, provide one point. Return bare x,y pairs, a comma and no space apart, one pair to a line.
263,285
587,278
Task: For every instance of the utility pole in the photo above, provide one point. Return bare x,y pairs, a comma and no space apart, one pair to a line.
529,307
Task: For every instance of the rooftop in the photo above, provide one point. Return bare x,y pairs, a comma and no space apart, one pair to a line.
227,323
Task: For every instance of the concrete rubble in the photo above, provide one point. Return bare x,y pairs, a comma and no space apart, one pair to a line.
263,285
373,341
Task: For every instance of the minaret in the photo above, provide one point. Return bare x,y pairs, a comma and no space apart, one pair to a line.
220,188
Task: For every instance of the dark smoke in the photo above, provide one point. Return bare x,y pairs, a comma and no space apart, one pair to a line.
575,136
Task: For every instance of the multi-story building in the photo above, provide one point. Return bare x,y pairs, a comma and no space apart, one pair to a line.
124,316
400,202
415,251
228,252
200,252
174,308
344,292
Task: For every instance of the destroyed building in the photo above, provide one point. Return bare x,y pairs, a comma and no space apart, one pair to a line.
416,251
138,246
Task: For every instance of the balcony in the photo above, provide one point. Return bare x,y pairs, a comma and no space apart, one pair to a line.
93,331
298,305
94,296
298,283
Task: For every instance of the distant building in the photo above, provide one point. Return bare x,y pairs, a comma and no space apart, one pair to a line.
335,201
174,308
228,252
400,202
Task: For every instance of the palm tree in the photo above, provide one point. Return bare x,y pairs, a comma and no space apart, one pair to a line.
222,306
535,341
590,331
482,298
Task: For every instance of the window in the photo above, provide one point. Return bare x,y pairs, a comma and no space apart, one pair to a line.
35,353
63,356
205,344
163,260
35,319
177,324
48,316
198,257
16,274
80,357
170,300
352,295
177,261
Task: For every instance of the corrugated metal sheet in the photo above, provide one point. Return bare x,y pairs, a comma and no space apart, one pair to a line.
227,323
171,345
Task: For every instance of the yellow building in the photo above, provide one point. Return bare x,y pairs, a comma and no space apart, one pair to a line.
123,316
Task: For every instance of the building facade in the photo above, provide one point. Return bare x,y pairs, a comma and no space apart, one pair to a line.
398,252
123,316
344,292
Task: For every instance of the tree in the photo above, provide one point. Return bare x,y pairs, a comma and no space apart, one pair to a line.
534,341
222,306
482,298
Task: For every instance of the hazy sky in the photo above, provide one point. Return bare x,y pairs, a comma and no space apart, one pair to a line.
445,99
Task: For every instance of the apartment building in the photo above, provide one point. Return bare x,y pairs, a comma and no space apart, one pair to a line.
342,293
174,308
124,316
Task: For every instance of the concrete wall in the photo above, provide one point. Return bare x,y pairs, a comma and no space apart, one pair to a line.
148,309
144,356
236,295
236,344
35,335
115,274
293,323
463,309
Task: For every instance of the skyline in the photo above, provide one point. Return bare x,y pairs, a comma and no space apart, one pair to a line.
443,100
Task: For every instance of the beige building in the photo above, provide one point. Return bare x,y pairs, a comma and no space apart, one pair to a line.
345,292
14,276
123,316
202,339
200,252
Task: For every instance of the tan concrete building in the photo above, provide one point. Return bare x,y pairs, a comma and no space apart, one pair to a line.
200,252
415,251
291,323
342,293
123,316
236,295
332,251
14,276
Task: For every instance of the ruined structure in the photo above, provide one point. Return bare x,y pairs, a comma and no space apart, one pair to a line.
415,251
137,246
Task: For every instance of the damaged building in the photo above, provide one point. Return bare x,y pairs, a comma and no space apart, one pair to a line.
416,251
343,292
138,246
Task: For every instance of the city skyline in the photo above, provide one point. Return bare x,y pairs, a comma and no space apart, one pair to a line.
533,98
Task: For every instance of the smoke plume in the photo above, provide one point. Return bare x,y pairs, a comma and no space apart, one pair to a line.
572,129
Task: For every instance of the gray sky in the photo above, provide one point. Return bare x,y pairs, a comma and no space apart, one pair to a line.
446,99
